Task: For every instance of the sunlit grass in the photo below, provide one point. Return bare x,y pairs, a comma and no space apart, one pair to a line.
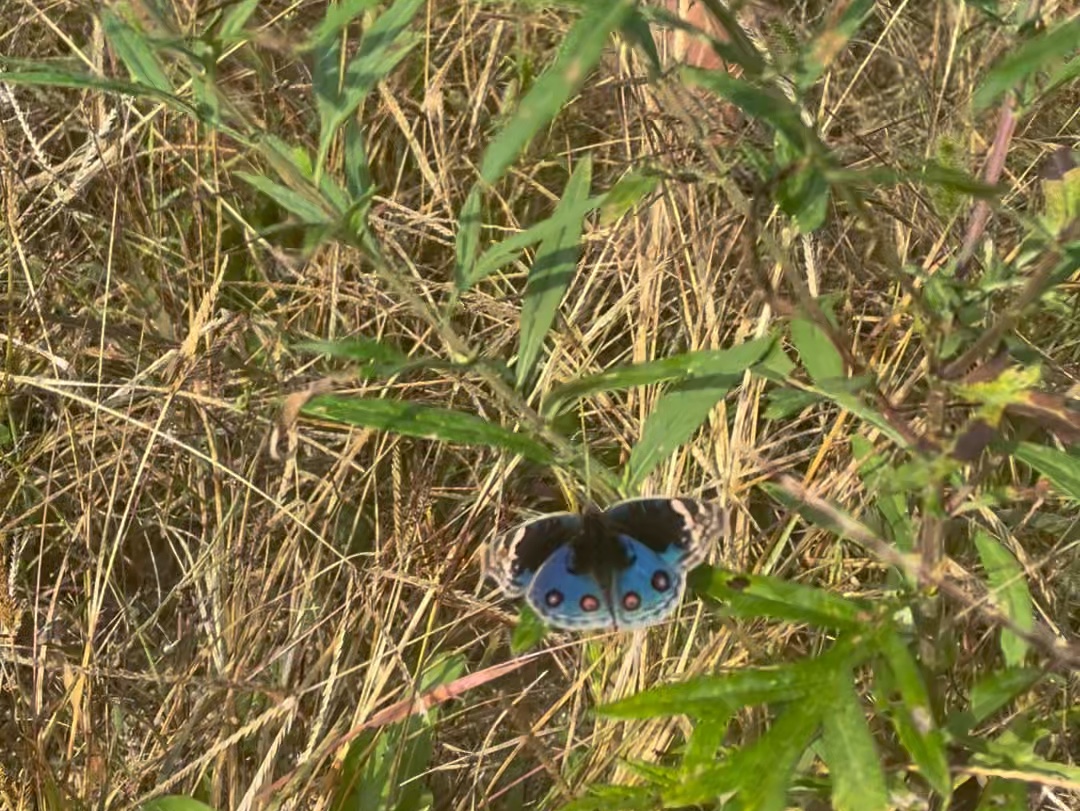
279,361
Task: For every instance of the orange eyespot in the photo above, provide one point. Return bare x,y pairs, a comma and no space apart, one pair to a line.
590,603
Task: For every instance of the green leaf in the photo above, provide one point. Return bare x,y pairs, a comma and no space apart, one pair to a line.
759,775
357,172
34,74
384,769
913,716
630,190
705,741
803,194
1061,191
602,797
236,17
875,472
581,50
468,240
836,31
307,210
858,783
820,357
1029,58
733,361
768,104
1009,590
994,692
553,270
786,403
1062,469
717,696
135,51
376,359
528,632
337,17
1015,755
1000,793
411,419
760,596
385,43
676,417
175,802
636,30
502,253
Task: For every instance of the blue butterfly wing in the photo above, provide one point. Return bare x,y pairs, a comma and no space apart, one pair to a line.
513,559
677,529
661,538
650,588
567,599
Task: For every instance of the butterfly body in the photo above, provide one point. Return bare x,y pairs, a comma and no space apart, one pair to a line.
622,568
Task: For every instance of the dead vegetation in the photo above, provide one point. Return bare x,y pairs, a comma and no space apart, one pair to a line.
203,598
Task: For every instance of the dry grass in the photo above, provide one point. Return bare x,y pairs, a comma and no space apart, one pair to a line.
197,605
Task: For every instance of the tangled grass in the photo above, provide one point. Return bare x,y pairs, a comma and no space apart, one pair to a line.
225,582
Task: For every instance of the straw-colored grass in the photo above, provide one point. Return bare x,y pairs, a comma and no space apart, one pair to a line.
204,597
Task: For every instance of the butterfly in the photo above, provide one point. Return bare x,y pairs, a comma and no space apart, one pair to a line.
622,568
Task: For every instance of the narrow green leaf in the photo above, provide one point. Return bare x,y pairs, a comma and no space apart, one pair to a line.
337,16
803,194
912,716
374,358
307,210
384,44
875,472
676,417
1062,469
1061,191
1030,57
502,253
746,54
1015,753
819,355
636,30
733,361
1009,590
365,350
836,31
858,783
175,802
468,240
717,696
553,270
767,104
760,596
581,51
996,690
357,172
528,632
630,190
428,422
236,17
1064,74
602,797
760,774
1000,793
786,403
384,769
135,51
705,741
